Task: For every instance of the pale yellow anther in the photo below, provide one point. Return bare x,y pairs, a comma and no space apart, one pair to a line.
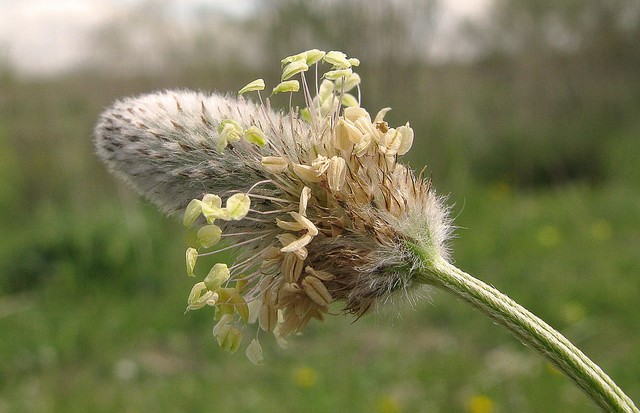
212,201
305,114
212,208
320,164
209,235
326,89
192,212
191,258
254,352
363,146
346,84
228,131
316,290
354,61
201,296
306,173
313,56
336,173
255,136
293,68
349,100
254,86
286,86
218,275
274,164
337,74
337,59
229,338
300,57
238,206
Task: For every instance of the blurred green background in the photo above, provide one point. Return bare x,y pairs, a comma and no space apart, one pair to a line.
529,123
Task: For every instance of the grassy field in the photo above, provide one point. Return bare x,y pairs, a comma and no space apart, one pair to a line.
93,291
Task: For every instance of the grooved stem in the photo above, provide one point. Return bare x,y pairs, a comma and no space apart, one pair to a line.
528,328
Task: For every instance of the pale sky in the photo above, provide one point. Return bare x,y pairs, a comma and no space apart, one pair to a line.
51,36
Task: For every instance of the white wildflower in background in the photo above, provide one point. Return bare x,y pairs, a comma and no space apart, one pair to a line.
315,205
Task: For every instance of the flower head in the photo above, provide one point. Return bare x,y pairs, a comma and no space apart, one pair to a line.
317,206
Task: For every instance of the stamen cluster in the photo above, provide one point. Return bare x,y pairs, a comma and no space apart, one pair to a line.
317,207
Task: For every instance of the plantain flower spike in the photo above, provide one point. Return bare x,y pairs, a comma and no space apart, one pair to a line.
318,209
317,212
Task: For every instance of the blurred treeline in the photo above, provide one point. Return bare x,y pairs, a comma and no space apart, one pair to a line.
546,93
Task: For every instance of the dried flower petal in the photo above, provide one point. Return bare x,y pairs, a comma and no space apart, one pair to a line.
274,164
306,173
254,352
349,100
336,173
297,244
406,140
289,226
305,223
316,290
268,317
305,195
321,275
354,113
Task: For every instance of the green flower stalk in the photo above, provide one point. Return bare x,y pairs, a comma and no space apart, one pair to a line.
315,205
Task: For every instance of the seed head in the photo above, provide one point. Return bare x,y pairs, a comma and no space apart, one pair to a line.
317,207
